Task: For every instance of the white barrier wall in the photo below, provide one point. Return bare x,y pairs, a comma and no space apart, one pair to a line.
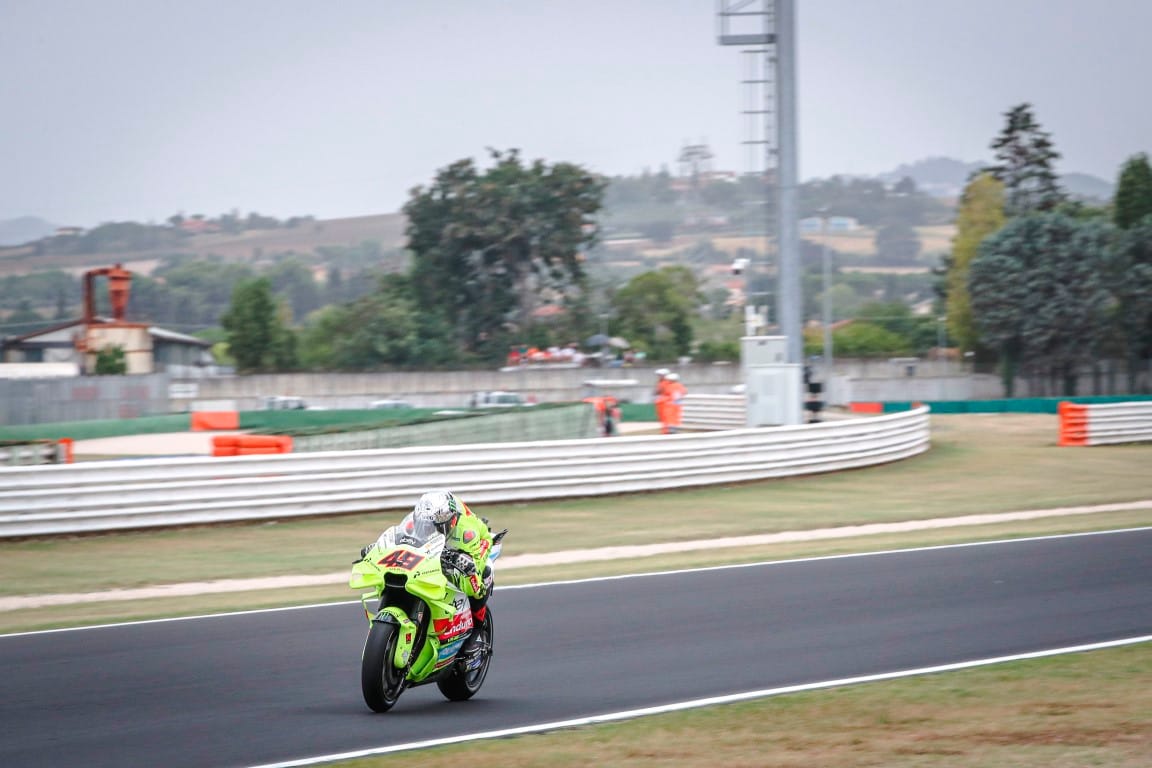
714,412
1105,423
110,495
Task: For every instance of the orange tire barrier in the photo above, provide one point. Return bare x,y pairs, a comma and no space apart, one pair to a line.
866,407
1073,424
205,421
250,445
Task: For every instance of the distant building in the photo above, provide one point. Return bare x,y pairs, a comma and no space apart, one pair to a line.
199,226
815,225
147,349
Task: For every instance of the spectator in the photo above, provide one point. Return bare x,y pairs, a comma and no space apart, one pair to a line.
660,398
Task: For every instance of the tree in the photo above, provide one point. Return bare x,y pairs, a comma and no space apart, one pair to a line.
897,243
1133,192
1129,277
864,339
1039,296
258,339
981,214
111,361
385,328
487,245
918,332
1024,158
655,310
293,280
24,314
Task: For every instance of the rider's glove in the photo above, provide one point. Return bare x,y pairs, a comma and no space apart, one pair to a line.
365,550
461,562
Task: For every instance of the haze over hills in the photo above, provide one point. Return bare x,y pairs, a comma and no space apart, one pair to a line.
946,177
24,230
940,177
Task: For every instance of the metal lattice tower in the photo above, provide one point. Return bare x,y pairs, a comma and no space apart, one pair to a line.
766,30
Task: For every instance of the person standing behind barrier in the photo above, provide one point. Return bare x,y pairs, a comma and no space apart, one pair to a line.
675,408
661,399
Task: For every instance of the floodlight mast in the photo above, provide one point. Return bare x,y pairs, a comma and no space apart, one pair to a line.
766,29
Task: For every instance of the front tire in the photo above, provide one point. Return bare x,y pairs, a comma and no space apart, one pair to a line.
380,681
463,683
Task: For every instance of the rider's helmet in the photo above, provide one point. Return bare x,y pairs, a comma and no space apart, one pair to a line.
661,372
438,507
673,377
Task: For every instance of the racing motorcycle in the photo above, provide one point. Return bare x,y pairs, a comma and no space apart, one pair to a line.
418,631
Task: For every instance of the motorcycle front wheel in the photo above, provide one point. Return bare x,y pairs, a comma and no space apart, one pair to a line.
380,680
463,683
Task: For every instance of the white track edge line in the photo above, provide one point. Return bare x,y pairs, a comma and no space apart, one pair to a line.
699,703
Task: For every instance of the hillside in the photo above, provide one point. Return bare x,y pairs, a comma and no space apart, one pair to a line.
303,239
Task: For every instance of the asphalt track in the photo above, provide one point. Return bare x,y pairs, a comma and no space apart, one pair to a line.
246,689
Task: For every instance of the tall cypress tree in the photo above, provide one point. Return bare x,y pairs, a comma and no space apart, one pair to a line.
1133,192
1024,158
981,214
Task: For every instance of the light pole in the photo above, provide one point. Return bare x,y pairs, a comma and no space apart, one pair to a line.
827,323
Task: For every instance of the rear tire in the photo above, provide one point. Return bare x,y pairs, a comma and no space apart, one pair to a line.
380,681
462,684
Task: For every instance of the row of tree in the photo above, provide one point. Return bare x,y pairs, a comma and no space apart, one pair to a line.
659,206
497,259
185,292
1046,285
127,236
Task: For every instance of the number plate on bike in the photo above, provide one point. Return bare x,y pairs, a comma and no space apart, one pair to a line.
402,559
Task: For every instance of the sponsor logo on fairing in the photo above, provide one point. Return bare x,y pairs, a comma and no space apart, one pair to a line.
448,629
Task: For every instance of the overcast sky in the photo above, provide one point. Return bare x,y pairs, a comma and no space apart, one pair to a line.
137,109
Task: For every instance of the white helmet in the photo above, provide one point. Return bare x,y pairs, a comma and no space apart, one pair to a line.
661,371
673,377
437,507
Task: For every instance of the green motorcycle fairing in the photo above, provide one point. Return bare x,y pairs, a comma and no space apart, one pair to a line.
404,550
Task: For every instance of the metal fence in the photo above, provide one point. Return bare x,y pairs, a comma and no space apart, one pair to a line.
82,398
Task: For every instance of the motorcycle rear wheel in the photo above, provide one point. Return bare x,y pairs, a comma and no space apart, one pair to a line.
380,681
462,684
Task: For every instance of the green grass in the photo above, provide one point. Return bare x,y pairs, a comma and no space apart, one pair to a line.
1088,709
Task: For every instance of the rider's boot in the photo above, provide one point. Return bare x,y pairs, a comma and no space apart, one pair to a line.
473,647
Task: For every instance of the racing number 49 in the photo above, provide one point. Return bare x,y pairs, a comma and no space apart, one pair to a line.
402,559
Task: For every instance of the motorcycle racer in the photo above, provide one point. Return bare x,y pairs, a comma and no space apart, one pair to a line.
467,541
